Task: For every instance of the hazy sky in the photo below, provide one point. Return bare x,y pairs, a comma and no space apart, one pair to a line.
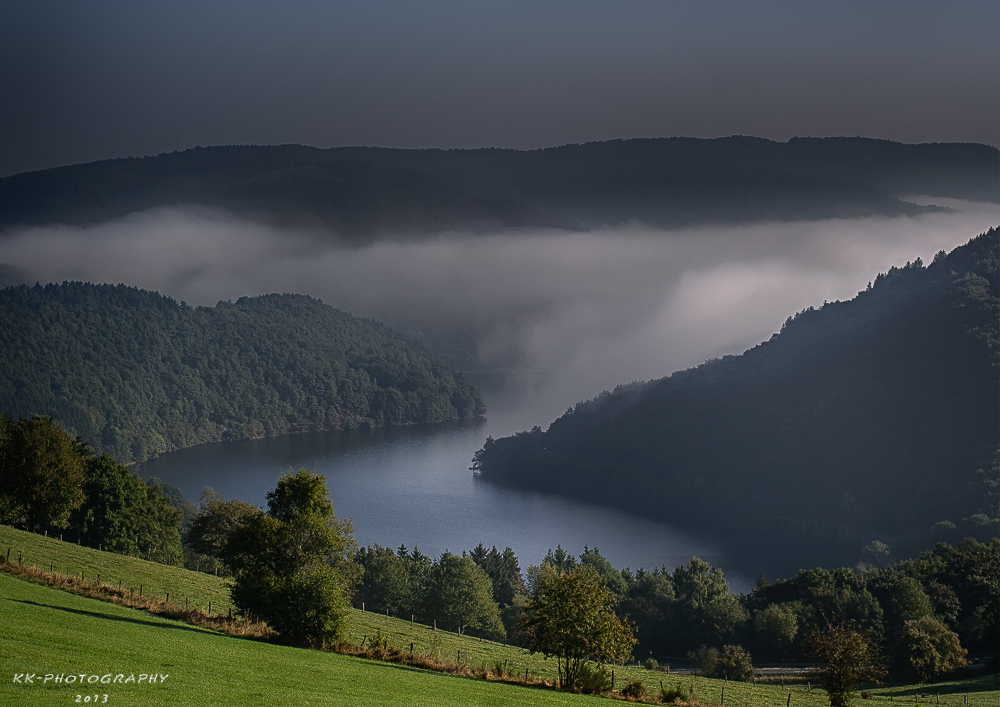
88,80
572,313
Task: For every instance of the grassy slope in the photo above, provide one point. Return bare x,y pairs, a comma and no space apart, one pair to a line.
43,630
160,579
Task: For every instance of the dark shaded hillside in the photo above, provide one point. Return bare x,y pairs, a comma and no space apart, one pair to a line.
878,413
135,373
363,192
675,182
289,184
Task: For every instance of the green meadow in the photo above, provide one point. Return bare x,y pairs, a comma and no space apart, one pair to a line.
44,631
48,631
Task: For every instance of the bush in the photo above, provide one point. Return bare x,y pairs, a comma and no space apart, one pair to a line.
312,605
651,664
674,693
735,664
704,660
593,679
635,690
926,648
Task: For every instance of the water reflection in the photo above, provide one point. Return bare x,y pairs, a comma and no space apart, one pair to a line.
413,486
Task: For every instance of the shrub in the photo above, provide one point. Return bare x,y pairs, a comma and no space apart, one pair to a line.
651,664
593,679
704,660
635,690
735,664
674,693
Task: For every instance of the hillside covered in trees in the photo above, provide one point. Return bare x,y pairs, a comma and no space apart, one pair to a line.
135,373
877,414
362,192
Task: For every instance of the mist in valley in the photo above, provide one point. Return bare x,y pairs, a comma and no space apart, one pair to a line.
541,319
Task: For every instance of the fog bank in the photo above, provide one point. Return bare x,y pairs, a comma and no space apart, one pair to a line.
562,315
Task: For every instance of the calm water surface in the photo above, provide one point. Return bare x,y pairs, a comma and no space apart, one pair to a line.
413,486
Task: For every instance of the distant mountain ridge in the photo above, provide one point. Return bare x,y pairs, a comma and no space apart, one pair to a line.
360,193
136,373
878,413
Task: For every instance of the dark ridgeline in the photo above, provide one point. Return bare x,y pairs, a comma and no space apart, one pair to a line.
360,193
878,414
136,373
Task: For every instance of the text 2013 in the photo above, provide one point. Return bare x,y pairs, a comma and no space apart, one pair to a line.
91,698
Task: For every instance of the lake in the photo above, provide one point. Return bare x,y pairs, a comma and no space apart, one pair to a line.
413,486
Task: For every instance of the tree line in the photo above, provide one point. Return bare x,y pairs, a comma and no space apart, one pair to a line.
52,482
136,374
296,565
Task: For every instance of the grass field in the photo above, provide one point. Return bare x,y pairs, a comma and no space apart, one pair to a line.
47,631
157,580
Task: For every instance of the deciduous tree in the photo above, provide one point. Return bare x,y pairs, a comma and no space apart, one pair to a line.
41,474
846,657
292,565
572,618
925,649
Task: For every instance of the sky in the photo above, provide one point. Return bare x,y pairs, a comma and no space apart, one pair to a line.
82,81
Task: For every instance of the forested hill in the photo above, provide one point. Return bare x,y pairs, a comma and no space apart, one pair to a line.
361,193
136,373
878,413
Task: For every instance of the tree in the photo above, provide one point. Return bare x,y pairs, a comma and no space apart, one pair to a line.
460,594
648,602
775,627
704,660
292,564
925,649
846,657
115,510
705,611
385,580
504,572
594,560
572,618
212,527
734,663
41,474
160,528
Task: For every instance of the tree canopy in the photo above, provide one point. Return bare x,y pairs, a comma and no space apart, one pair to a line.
293,564
572,618
846,657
